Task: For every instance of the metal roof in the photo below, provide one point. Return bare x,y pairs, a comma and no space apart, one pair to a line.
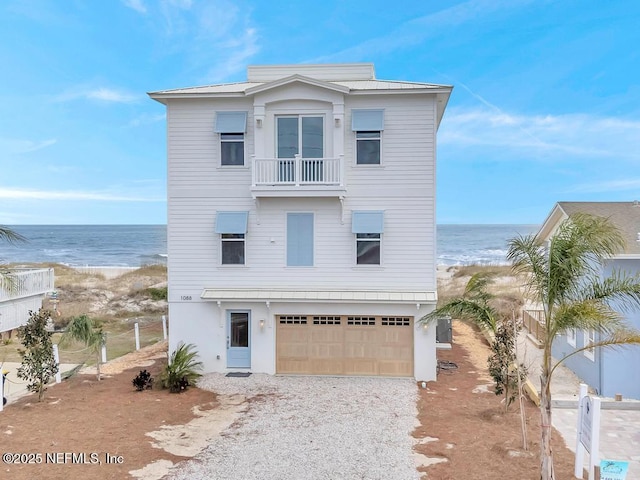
357,85
357,296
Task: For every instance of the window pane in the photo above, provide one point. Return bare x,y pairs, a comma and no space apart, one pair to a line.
287,137
312,138
368,252
233,252
239,329
368,152
232,153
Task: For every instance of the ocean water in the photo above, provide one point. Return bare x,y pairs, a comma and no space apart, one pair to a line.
137,245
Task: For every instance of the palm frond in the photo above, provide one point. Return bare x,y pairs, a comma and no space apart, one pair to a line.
621,338
467,310
618,289
8,235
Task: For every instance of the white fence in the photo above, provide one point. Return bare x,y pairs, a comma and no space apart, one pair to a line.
107,272
23,283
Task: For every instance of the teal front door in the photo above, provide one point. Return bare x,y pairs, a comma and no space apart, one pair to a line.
238,339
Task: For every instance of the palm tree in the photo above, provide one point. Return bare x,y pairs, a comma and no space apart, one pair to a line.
480,307
83,329
474,306
563,277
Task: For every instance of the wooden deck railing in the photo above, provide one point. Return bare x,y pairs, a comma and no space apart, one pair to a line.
533,321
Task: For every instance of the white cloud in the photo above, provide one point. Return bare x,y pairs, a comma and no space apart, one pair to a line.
415,31
216,37
32,194
564,136
137,5
241,49
101,93
12,146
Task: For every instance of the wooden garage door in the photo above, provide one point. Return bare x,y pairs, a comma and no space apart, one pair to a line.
344,345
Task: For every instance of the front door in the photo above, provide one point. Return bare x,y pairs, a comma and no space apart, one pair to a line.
238,339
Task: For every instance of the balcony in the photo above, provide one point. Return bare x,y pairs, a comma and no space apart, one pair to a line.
23,282
297,177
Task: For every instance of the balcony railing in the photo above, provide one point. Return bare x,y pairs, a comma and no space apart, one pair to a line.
23,283
297,173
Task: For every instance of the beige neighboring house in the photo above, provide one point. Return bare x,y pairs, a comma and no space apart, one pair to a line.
23,292
608,371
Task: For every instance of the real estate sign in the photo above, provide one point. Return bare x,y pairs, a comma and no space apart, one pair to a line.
586,421
613,470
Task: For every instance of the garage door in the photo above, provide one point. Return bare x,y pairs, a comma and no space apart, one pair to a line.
344,345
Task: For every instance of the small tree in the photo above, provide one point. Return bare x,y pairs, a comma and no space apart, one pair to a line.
503,366
38,363
84,330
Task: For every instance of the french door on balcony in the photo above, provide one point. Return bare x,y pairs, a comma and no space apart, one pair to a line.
301,136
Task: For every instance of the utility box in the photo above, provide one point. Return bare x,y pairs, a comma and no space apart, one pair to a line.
443,330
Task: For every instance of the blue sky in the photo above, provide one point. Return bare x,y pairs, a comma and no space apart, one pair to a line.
545,107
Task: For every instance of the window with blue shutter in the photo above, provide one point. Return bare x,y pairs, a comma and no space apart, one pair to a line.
368,126
231,126
368,227
299,239
232,227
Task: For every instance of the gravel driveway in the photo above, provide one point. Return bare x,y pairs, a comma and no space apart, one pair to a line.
312,428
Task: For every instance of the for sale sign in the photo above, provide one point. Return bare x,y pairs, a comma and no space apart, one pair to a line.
613,470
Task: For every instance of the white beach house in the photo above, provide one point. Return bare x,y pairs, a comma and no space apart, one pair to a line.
301,221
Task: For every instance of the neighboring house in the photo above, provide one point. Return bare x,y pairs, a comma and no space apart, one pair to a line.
21,292
607,370
301,221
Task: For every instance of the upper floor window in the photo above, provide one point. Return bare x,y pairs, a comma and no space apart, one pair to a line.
232,227
368,227
368,126
589,339
231,126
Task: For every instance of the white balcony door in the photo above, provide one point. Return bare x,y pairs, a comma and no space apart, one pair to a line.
300,135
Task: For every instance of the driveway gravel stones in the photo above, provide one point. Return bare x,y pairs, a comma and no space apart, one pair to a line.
311,428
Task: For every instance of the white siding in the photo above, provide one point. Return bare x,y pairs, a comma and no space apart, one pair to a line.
403,186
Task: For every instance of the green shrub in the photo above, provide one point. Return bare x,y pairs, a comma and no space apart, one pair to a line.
182,370
158,293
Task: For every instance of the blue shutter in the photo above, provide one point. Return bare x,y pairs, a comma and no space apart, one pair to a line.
367,222
231,122
367,120
231,222
300,239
